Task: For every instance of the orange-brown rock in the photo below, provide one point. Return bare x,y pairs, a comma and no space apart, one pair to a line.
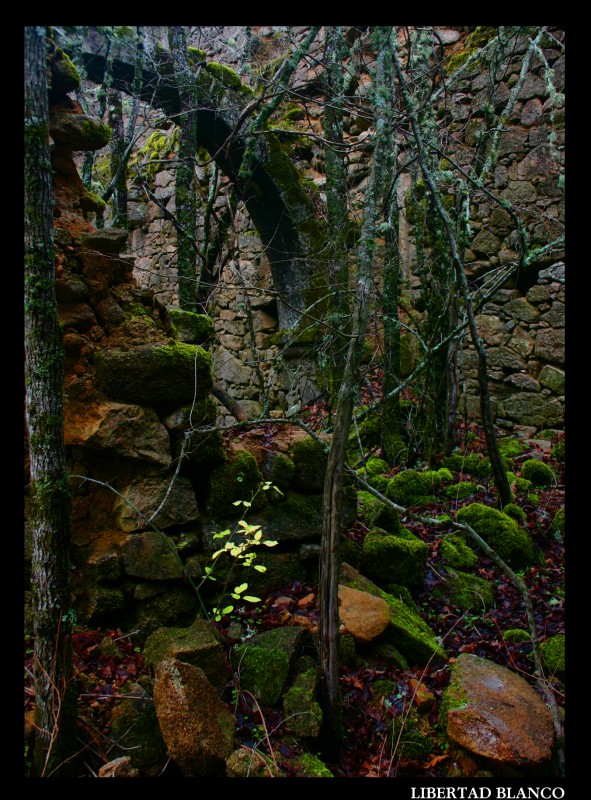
495,713
364,616
196,726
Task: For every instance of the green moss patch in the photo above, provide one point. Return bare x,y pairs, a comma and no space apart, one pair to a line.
411,487
539,473
263,671
500,532
394,558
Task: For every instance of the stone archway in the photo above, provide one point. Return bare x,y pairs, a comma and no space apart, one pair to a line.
282,213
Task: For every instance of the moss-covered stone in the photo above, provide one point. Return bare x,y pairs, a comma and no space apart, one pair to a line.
280,472
310,766
374,466
412,736
445,474
517,635
500,532
196,644
460,491
238,478
465,591
407,631
150,158
378,514
470,463
473,44
303,715
511,447
369,433
533,499
134,726
552,652
514,511
263,671
394,558
539,473
310,460
189,327
558,524
558,451
227,76
158,376
456,552
411,487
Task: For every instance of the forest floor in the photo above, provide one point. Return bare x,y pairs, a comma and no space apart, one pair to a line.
369,717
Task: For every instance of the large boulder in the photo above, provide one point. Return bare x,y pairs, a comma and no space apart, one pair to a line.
161,376
496,714
196,726
500,532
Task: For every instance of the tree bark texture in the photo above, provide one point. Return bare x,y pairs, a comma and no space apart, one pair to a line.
55,711
333,484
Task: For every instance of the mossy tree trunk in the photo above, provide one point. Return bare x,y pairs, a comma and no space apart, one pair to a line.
334,480
117,166
185,184
55,703
337,211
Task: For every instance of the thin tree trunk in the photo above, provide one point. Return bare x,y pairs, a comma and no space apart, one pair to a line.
333,484
55,703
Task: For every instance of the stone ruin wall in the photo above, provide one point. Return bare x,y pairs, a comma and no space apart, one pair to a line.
523,326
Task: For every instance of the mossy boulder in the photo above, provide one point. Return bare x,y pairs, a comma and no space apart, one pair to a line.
135,727
558,523
407,631
514,511
539,473
464,591
303,715
188,327
280,470
238,478
412,487
511,447
470,463
456,552
374,466
196,644
412,735
394,558
460,491
159,376
263,671
378,514
552,652
517,635
310,460
558,451
310,766
500,532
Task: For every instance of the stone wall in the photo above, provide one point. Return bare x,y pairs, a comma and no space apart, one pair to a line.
523,326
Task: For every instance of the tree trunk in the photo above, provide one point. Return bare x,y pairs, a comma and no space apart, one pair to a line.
55,703
117,165
186,196
333,484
